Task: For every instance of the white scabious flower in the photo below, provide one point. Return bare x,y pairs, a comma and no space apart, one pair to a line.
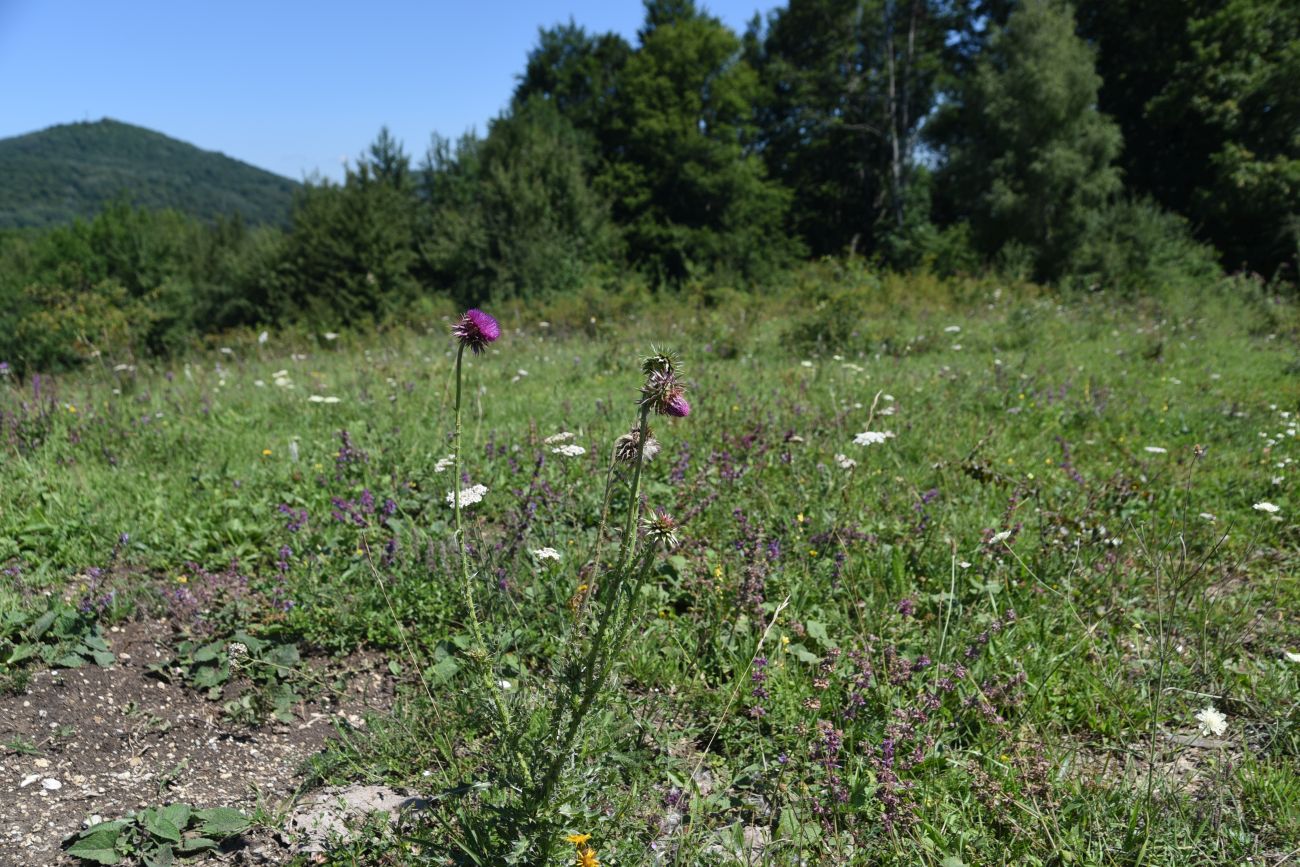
444,464
569,451
468,496
1212,721
546,554
558,438
845,462
872,437
1265,507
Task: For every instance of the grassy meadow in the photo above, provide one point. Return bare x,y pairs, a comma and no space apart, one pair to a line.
983,636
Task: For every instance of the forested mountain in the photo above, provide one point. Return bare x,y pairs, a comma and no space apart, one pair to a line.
73,170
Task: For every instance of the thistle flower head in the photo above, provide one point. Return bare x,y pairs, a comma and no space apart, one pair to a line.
625,447
476,330
661,527
663,394
677,407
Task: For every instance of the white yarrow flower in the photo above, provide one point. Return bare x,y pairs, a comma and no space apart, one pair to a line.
1156,450
999,537
953,329
1265,507
571,450
468,496
845,462
1212,721
444,463
558,438
546,554
872,437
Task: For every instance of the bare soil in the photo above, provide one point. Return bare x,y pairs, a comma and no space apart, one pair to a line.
105,742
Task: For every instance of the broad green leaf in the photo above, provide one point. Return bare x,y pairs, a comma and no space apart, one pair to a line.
221,821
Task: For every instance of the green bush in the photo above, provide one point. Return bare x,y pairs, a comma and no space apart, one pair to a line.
1132,247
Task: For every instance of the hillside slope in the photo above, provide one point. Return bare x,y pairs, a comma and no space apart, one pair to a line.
72,170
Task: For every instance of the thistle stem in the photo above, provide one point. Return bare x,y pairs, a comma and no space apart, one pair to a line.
480,651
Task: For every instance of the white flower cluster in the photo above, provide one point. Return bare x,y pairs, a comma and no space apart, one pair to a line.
1212,721
569,451
468,496
316,398
546,554
444,464
872,437
845,462
558,438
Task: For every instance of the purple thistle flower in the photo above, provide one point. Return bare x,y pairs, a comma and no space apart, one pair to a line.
677,407
476,330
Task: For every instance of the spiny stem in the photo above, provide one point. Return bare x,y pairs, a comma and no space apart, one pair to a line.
596,666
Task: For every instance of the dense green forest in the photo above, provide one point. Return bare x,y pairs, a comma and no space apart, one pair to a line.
1114,145
74,170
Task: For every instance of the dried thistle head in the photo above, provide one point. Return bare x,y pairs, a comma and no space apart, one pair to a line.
662,527
625,447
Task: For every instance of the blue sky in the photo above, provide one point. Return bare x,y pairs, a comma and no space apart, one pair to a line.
289,86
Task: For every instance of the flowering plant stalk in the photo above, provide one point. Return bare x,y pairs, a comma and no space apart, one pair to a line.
475,330
615,592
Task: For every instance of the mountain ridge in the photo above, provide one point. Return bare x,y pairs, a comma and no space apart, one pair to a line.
66,171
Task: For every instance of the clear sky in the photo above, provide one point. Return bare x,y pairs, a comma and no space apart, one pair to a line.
290,86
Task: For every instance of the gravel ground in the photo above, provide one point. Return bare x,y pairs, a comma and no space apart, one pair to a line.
108,741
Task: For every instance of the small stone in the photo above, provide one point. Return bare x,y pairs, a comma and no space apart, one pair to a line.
51,784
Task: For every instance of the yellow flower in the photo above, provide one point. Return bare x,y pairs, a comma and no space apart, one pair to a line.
577,839
812,553
587,857
717,571
266,453
182,579
799,517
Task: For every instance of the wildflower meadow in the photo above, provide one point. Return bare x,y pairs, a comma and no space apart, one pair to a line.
864,570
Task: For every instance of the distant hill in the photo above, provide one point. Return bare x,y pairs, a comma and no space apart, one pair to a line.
73,170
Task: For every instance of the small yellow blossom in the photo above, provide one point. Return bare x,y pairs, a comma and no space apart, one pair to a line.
266,453
182,579
577,839
799,518
717,571
812,553
587,857
71,408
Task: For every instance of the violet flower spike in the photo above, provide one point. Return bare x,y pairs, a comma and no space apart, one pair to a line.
476,330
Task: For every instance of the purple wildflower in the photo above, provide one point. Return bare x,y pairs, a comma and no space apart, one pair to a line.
677,407
476,330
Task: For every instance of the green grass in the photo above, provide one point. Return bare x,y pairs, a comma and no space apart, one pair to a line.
1061,739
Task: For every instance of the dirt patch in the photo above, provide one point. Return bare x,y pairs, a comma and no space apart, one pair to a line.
108,741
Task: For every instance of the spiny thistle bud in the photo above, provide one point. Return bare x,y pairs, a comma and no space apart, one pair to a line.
625,447
662,361
663,394
661,527
476,330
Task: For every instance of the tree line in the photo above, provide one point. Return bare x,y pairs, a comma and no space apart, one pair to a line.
1119,145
